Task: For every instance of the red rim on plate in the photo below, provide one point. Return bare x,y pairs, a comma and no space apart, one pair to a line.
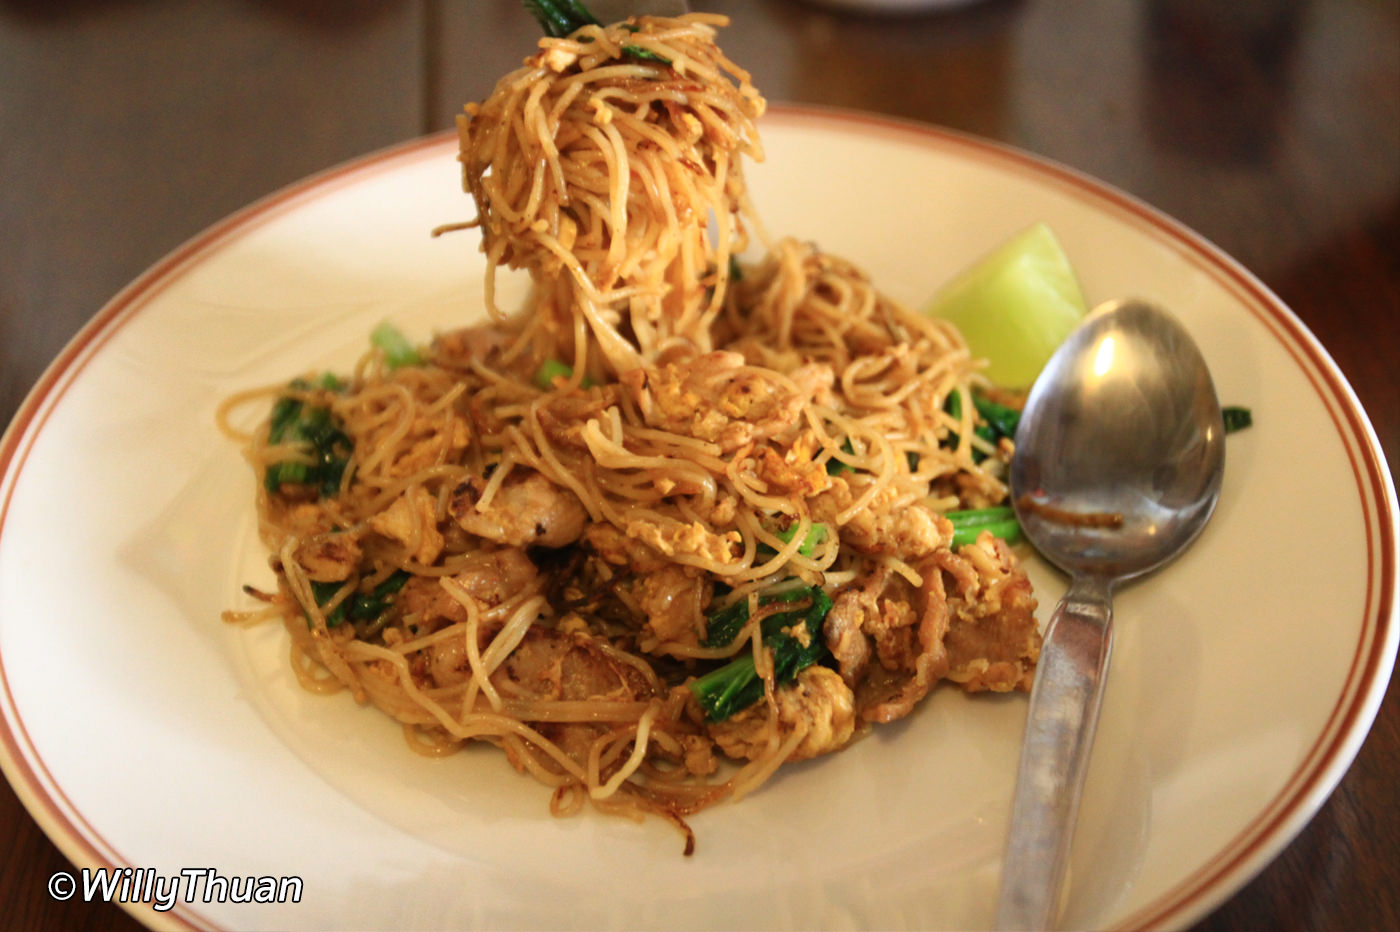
1277,821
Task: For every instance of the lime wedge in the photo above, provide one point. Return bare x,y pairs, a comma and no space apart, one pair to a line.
1014,306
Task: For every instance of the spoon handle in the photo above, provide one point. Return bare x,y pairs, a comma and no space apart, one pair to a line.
1064,710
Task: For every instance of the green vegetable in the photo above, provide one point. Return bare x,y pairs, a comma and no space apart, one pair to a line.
997,420
1236,418
361,607
954,408
737,685
1015,306
395,346
1002,420
835,467
970,523
636,51
552,369
816,534
723,626
297,422
560,18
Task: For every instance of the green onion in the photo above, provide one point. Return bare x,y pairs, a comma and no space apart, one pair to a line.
395,346
969,523
816,534
835,467
552,369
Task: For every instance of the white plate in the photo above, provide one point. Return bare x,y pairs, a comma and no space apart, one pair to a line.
141,731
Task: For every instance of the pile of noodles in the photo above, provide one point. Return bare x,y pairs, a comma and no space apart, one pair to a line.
615,180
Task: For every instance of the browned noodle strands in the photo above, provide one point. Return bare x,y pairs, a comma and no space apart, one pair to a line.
713,413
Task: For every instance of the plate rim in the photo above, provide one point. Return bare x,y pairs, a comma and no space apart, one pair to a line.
1264,837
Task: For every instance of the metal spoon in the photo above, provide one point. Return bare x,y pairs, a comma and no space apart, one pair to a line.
1119,457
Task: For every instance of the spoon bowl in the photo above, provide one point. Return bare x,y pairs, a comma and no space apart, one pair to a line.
1122,430
1119,458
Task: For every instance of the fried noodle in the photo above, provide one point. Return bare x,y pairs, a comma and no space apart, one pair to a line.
533,562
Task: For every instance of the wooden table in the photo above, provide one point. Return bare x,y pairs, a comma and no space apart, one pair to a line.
1271,127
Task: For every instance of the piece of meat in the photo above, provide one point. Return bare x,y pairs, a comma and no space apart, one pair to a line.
975,626
447,663
559,666
817,702
490,577
908,634
993,641
526,510
490,582
844,634
673,601
876,618
571,666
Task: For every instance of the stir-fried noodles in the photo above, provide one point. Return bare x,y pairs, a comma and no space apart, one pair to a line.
681,518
